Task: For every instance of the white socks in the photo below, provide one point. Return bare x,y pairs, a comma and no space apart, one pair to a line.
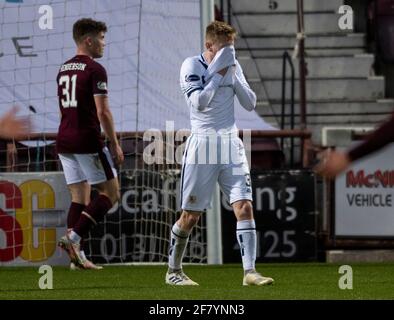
74,237
246,236
83,256
179,239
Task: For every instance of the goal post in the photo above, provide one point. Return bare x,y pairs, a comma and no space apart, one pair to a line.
214,230
213,214
207,15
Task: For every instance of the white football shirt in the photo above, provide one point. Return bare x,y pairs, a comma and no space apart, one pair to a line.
212,104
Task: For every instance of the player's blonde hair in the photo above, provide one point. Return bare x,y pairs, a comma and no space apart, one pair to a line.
218,31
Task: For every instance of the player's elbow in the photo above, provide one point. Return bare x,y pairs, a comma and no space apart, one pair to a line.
252,101
103,114
200,107
250,104
247,98
203,102
198,102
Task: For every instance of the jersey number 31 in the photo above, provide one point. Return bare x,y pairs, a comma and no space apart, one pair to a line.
69,95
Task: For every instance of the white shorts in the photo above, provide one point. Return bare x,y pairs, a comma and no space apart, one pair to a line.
200,171
91,167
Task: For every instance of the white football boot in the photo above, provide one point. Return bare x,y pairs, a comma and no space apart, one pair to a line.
179,278
254,278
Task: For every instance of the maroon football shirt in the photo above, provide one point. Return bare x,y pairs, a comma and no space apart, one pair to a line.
79,80
379,138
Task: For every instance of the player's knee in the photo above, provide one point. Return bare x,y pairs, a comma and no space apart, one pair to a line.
193,219
80,193
114,196
111,190
189,219
243,210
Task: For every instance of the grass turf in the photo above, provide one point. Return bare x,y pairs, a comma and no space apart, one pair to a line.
292,281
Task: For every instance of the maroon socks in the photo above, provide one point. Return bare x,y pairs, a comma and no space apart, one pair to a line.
92,214
74,213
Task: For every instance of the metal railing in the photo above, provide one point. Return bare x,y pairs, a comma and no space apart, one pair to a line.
12,151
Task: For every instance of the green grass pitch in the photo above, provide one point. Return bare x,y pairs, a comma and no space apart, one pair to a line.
292,281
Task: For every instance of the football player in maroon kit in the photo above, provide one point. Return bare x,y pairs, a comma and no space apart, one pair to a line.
335,162
86,161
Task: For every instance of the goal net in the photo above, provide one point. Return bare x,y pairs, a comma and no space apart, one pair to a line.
146,43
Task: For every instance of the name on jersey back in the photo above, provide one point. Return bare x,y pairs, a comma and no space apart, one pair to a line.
73,66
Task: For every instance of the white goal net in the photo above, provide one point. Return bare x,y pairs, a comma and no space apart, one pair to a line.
147,41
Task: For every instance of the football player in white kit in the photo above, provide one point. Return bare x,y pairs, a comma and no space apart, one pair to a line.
214,152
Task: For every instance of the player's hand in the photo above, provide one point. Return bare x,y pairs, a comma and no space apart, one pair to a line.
117,153
223,71
12,127
332,163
